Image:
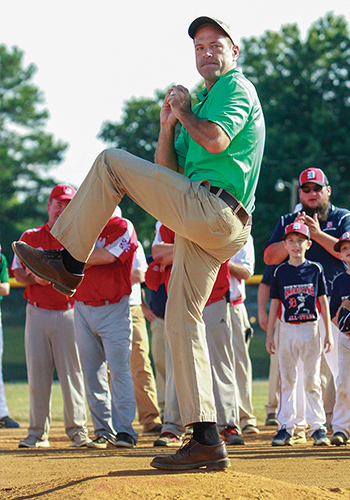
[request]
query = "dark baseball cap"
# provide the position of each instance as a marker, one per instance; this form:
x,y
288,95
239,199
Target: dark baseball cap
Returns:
x,y
62,192
344,237
200,21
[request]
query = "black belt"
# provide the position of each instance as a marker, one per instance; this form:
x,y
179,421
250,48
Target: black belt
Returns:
x,y
231,201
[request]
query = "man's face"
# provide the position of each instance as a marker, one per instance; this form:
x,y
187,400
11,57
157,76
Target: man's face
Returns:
x,y
314,197
215,53
55,208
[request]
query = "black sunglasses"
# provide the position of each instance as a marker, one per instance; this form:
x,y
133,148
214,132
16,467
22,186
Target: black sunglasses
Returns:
x,y
307,189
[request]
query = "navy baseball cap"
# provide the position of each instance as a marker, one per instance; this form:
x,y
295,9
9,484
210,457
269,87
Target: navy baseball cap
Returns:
x,y
62,192
344,237
314,175
200,21
297,227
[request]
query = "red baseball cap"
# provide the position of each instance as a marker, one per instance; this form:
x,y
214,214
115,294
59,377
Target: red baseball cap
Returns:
x,y
154,277
297,227
62,192
344,237
314,175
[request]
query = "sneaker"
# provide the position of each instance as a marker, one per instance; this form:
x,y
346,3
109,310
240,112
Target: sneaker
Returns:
x,y
100,443
230,436
282,438
155,431
80,439
167,439
124,440
250,429
8,423
271,420
298,438
320,438
33,442
193,455
339,439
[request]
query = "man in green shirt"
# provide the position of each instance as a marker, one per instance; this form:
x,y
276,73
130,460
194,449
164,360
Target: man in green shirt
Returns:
x,y
5,420
219,152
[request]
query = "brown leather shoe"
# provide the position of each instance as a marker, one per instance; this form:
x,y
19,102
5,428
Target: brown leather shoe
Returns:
x,y
47,264
193,455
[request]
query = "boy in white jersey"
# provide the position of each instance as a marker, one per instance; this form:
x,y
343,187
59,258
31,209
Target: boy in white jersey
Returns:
x,y
296,286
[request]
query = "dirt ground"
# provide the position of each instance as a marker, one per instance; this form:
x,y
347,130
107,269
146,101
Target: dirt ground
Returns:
x,y
258,471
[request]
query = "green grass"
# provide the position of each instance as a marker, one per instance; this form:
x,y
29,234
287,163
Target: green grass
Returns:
x,y
17,396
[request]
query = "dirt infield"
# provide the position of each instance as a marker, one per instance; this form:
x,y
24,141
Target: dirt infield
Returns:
x,y
257,471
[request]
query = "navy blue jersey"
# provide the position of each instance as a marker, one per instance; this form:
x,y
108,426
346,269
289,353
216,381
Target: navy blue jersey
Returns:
x,y
268,271
338,222
340,291
298,287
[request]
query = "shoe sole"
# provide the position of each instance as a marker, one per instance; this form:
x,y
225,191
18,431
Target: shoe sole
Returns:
x,y
213,465
279,443
167,445
97,446
338,442
235,443
34,446
75,445
124,444
324,443
65,290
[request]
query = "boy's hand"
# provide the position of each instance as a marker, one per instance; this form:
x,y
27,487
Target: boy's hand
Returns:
x,y
270,345
328,343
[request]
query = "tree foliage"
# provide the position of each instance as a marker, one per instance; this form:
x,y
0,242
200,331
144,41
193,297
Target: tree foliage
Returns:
x,y
27,152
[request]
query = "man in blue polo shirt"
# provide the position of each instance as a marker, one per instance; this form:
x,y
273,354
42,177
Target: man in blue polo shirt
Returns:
x,y
326,224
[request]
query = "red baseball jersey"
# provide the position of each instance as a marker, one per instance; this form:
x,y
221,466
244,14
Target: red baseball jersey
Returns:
x,y
45,297
110,282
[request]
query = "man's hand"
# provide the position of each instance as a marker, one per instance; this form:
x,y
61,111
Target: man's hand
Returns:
x,y
179,100
35,279
312,223
167,116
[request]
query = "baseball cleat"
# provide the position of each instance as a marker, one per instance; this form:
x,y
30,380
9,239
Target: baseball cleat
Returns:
x,y
33,442
339,439
48,265
282,438
320,438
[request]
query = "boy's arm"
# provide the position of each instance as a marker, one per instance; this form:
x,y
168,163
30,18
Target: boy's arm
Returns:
x,y
263,298
270,345
328,340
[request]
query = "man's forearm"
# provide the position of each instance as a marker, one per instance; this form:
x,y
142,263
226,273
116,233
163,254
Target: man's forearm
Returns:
x,y
165,153
275,253
238,271
207,134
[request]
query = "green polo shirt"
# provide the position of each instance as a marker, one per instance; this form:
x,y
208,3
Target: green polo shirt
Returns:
x,y
233,104
4,272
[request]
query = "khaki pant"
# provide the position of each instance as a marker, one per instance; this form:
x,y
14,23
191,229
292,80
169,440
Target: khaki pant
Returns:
x,y
243,364
158,354
207,234
142,373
